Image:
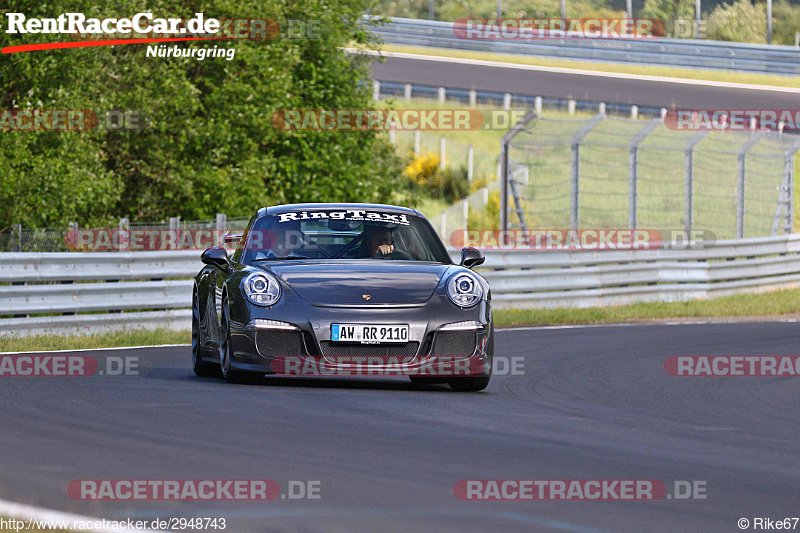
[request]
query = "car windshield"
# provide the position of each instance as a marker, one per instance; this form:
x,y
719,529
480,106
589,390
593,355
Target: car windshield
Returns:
x,y
342,233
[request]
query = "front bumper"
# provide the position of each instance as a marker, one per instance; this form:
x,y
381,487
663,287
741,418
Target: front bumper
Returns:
x,y
296,340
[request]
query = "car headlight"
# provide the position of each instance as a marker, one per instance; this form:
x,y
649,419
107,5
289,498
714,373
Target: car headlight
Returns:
x,y
261,288
464,289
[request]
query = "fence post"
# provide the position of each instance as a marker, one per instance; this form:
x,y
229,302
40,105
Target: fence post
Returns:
x,y
124,226
17,232
633,169
174,227
788,169
504,165
742,165
469,164
221,227
442,153
688,189
416,143
574,166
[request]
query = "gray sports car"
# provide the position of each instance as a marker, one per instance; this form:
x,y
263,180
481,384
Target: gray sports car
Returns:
x,y
342,290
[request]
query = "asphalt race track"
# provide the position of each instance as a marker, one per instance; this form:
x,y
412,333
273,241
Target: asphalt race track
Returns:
x,y
577,86
593,403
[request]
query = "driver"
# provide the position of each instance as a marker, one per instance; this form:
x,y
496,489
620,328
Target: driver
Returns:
x,y
375,240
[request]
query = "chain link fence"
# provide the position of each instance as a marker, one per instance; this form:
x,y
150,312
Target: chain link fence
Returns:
x,y
608,172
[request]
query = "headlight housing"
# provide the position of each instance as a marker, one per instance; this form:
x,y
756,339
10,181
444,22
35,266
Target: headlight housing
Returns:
x,y
261,288
464,289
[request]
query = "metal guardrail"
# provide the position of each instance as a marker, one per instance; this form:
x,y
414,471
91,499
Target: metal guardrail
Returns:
x,y
745,57
134,290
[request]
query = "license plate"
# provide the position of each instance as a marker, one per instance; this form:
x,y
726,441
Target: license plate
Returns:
x,y
369,333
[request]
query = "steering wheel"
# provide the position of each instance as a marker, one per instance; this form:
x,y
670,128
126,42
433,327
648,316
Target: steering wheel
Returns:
x,y
395,254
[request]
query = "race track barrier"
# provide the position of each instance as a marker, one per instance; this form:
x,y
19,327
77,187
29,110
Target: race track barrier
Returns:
x,y
93,292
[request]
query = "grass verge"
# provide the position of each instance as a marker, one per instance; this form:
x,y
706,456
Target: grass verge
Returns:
x,y
669,72
771,305
774,304
138,337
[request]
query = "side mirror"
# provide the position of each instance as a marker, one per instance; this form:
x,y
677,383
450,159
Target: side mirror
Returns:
x,y
471,257
218,257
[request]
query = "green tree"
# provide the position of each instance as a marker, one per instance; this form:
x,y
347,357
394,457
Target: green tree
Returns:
x,y
210,145
741,22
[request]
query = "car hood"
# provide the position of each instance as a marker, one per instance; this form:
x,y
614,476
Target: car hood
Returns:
x,y
342,283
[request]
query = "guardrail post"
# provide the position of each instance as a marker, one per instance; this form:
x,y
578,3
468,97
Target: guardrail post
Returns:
x,y
601,109
444,225
571,106
688,219
442,95
537,104
407,92
392,138
574,168
416,143
504,165
742,166
465,212
469,164
442,152
376,90
633,169
634,111
507,102
473,98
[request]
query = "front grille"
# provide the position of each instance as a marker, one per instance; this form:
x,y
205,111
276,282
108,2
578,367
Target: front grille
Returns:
x,y
274,343
457,343
365,350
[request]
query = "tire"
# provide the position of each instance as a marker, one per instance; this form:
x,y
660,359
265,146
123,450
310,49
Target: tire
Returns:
x,y
230,374
476,383
204,369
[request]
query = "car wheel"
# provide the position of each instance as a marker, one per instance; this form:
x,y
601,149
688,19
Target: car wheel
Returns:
x,y
204,369
476,383
230,374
